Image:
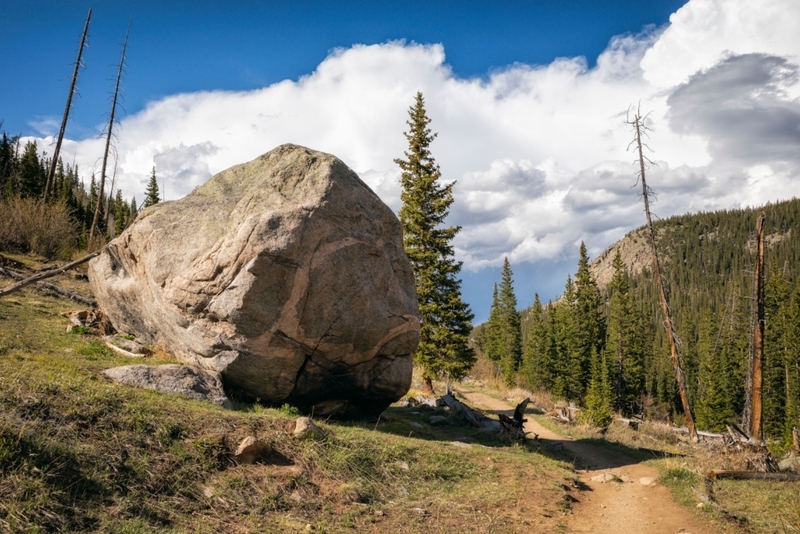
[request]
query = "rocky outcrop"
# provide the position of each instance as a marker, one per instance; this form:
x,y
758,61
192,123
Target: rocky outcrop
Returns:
x,y
286,275
171,378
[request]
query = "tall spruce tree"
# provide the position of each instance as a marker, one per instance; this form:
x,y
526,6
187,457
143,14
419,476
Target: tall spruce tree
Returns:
x,y
536,362
504,331
446,320
151,193
624,348
588,321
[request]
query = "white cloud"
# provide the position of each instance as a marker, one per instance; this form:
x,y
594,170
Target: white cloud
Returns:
x,y
539,152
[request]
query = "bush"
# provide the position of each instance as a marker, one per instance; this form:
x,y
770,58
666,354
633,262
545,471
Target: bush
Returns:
x,y
30,225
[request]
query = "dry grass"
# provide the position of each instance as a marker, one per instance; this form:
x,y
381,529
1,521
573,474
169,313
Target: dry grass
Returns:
x,y
28,224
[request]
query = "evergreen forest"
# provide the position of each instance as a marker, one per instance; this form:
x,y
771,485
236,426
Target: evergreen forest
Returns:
x,y
606,349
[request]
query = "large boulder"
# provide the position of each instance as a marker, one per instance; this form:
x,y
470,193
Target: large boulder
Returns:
x,y
286,275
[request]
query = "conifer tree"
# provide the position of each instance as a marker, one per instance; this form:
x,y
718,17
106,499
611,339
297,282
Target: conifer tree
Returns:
x,y
588,321
777,298
598,394
31,172
151,193
120,213
504,331
566,384
536,362
624,344
443,350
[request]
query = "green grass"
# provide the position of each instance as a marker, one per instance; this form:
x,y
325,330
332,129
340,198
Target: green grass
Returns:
x,y
80,453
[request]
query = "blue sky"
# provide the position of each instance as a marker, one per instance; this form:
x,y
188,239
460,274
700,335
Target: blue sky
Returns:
x,y
529,100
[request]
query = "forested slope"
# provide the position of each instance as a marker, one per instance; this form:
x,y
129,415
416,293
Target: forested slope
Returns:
x,y
604,345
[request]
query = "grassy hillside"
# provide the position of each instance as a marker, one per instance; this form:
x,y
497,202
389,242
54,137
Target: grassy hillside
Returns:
x,y
80,453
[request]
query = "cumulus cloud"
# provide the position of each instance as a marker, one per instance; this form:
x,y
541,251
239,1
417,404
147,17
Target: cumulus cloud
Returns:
x,y
539,153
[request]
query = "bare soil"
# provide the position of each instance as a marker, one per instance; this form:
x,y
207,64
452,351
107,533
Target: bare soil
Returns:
x,y
621,505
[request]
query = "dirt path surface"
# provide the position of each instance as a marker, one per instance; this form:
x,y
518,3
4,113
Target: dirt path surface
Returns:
x,y
630,502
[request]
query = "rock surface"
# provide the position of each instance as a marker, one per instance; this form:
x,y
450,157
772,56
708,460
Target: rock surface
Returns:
x,y
286,275
304,428
251,449
173,378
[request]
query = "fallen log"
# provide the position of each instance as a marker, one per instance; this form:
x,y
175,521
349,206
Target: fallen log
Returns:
x,y
511,427
754,475
476,419
52,288
47,274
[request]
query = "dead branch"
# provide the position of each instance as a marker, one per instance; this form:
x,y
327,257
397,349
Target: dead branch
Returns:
x,y
754,475
47,274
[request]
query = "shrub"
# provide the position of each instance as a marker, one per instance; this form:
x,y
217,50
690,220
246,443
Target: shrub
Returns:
x,y
30,225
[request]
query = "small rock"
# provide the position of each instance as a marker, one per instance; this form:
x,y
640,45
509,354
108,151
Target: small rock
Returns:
x,y
379,513
436,419
416,425
625,478
647,481
403,492
295,496
207,492
402,465
700,505
461,444
555,446
420,511
604,477
251,449
304,428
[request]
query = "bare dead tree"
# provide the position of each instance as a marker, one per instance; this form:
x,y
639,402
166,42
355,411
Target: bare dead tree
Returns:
x,y
49,184
111,192
640,130
100,195
753,406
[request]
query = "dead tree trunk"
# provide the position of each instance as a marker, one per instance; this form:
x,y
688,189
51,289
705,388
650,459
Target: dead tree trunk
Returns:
x,y
108,137
753,410
639,129
49,184
48,274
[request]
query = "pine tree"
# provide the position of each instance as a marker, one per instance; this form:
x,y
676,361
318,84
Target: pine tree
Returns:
x,y
624,344
151,193
566,384
504,332
598,394
120,213
31,173
588,320
536,363
445,319
777,297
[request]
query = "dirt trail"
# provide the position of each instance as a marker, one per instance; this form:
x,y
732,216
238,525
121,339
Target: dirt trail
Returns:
x,y
620,506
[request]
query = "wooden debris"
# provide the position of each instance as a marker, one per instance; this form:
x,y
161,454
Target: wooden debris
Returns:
x,y
511,427
47,274
754,475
